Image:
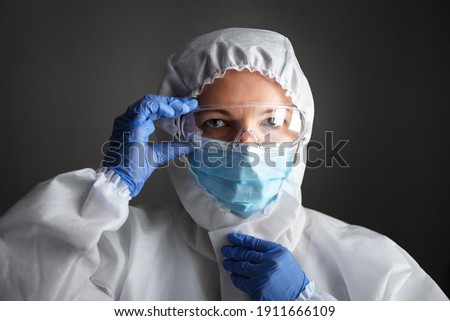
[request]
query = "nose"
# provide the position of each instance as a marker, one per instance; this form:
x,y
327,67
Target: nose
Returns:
x,y
246,135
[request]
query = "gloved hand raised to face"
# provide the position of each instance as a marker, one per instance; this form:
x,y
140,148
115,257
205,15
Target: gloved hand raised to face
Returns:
x,y
130,155
265,270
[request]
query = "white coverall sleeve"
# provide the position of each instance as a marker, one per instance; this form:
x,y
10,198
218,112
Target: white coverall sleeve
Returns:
x,y
48,239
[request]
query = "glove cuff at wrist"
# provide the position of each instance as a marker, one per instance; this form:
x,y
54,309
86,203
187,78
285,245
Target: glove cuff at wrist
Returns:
x,y
307,292
310,293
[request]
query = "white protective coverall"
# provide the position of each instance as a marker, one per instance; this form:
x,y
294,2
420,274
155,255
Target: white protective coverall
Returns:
x,y
76,237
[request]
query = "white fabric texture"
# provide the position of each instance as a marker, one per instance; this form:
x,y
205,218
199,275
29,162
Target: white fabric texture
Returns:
x,y
75,237
50,250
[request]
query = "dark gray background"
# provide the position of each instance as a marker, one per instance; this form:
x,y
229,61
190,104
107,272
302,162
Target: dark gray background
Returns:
x,y
378,71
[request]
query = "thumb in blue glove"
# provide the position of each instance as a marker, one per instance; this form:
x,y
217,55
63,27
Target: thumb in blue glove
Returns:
x,y
265,270
129,153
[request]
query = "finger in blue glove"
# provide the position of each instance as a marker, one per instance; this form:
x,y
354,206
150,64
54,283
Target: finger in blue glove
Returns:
x,y
264,270
129,154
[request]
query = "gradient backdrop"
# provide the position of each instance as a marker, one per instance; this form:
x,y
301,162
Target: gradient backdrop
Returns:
x,y
379,71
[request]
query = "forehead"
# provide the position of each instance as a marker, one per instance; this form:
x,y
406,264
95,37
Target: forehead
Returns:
x,y
240,87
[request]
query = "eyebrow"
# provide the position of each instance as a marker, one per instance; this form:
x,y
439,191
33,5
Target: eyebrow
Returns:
x,y
227,113
219,111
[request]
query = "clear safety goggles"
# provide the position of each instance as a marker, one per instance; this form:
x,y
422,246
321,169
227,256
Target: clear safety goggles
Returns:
x,y
247,123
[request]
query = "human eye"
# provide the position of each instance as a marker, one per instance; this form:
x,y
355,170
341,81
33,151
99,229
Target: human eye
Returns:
x,y
273,121
214,123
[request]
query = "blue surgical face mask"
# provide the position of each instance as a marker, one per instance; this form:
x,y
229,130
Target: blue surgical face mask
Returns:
x,y
246,178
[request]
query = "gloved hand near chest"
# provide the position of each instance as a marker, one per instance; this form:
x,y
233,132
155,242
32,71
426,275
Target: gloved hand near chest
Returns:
x,y
129,153
264,270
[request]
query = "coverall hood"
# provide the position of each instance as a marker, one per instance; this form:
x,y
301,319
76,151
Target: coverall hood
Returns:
x,y
199,63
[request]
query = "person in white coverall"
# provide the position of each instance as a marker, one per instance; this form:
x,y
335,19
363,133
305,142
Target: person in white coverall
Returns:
x,y
233,114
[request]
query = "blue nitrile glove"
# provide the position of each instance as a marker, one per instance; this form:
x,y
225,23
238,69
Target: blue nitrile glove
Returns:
x,y
130,154
265,270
